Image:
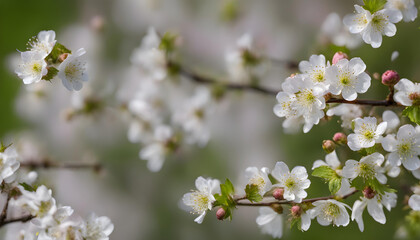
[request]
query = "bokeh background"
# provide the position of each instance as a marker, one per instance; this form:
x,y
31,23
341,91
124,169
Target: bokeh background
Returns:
x,y
245,132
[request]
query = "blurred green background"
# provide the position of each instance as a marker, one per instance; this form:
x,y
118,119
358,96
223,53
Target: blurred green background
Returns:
x,y
160,193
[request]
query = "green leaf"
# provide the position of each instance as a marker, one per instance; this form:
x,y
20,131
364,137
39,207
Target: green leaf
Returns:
x,y
358,183
374,5
324,172
28,187
413,113
379,187
334,184
296,221
167,43
225,199
252,193
56,52
52,72
4,147
368,151
273,180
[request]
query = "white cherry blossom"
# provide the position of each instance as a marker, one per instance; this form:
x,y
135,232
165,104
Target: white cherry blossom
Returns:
x,y
407,8
202,199
97,228
9,164
32,67
374,206
73,72
149,58
237,68
366,133
404,148
347,112
270,222
338,34
373,26
392,120
43,43
368,167
294,182
315,69
407,93
259,178
156,151
348,78
414,202
329,212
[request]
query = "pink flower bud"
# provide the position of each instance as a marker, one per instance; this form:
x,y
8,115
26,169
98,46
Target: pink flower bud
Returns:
x,y
368,193
390,78
296,211
340,138
220,214
278,193
328,146
277,208
338,56
63,57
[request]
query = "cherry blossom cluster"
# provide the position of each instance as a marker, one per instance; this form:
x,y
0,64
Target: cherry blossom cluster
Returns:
x,y
159,121
27,201
302,100
373,20
46,58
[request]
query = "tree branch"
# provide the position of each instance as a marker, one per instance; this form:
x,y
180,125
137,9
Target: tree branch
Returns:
x,y
20,219
267,204
47,164
195,77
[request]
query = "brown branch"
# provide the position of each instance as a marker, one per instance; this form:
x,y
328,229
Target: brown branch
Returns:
x,y
267,204
47,164
3,214
20,219
254,88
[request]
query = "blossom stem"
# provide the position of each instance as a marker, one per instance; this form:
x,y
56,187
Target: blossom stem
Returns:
x,y
20,219
195,77
267,204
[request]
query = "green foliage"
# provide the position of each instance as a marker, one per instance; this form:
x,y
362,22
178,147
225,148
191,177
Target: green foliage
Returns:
x,y
329,175
249,58
225,199
52,72
374,5
28,187
3,147
167,43
230,11
324,172
296,221
334,184
252,193
368,151
360,184
413,113
56,52
273,180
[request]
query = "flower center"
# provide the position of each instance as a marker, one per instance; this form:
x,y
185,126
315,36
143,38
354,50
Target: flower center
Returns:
x,y
44,208
344,80
259,181
331,211
318,76
290,183
369,134
378,21
200,202
306,97
36,67
415,97
367,171
404,149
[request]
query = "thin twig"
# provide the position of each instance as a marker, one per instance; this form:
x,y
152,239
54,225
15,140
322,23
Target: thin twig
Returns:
x,y
3,214
259,204
45,163
20,219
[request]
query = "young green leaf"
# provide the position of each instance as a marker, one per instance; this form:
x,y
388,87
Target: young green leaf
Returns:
x,y
413,113
324,172
252,193
56,52
374,5
334,184
52,72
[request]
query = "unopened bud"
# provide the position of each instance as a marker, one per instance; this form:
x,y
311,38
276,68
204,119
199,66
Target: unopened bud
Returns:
x,y
220,214
338,56
390,78
415,98
340,138
368,193
63,57
278,193
296,211
277,208
328,146
97,23
376,76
